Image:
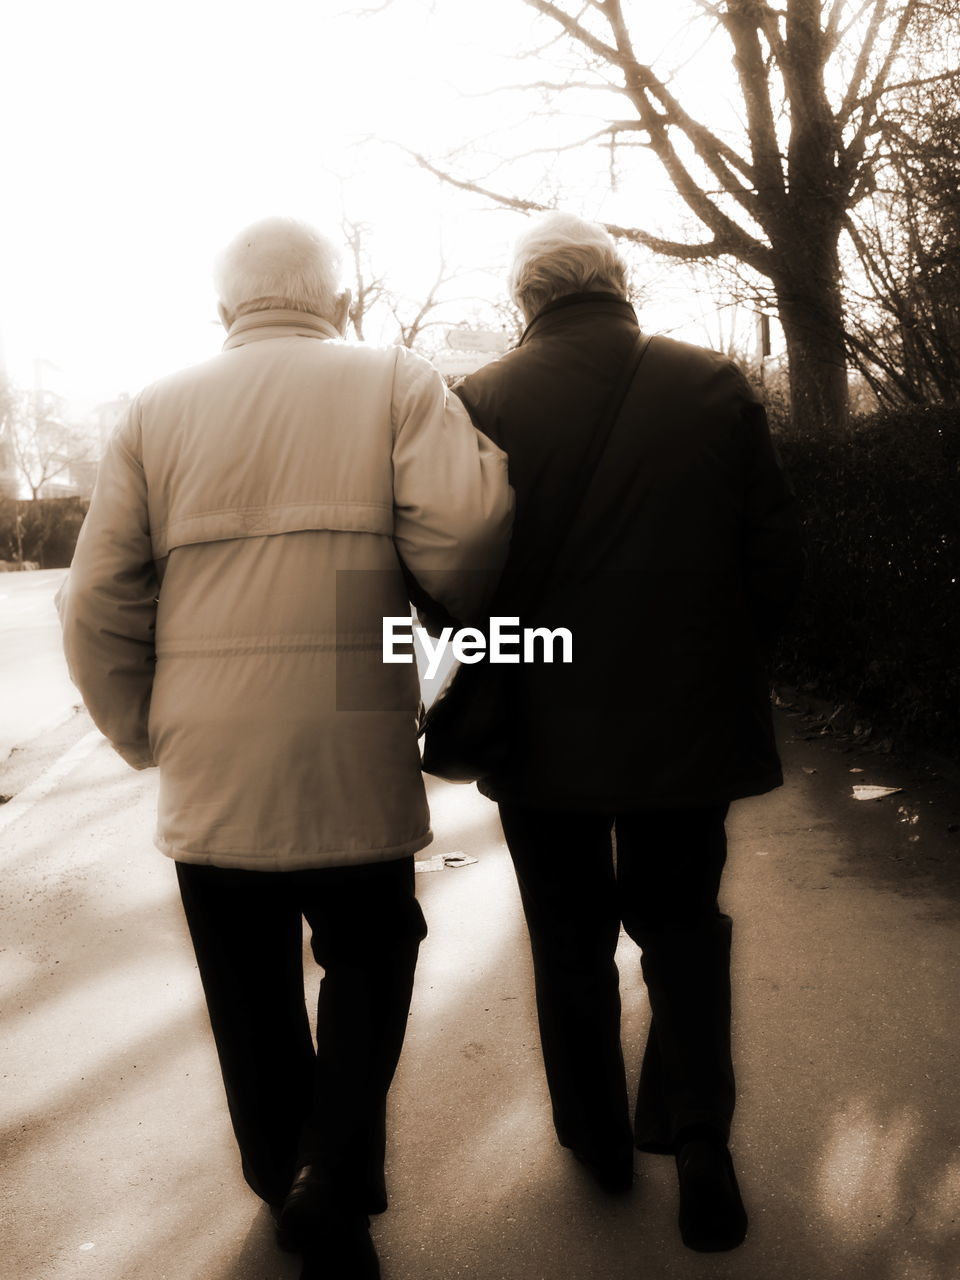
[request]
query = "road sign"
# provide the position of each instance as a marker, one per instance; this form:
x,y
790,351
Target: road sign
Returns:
x,y
456,364
464,339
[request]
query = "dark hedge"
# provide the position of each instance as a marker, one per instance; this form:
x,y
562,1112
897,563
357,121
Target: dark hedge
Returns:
x,y
49,529
878,623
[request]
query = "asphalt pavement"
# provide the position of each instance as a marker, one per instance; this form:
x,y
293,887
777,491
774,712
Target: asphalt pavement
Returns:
x,y
119,1163
35,690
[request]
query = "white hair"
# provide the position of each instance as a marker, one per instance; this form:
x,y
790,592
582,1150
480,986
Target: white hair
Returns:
x,y
563,254
279,263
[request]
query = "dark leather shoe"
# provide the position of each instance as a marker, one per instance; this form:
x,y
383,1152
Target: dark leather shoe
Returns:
x,y
284,1239
712,1216
306,1211
334,1240
343,1252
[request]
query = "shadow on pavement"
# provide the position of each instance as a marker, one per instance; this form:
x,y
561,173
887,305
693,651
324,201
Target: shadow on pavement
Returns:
x,y
121,1164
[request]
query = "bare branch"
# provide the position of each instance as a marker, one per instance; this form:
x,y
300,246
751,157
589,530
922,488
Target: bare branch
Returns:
x,y
721,159
834,34
609,132
367,290
859,72
770,22
644,88
511,202
547,86
852,156
409,332
831,28
867,351
715,248
876,271
754,76
574,28
915,84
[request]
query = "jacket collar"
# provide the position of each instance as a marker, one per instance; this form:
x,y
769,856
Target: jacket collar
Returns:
x,y
277,324
573,306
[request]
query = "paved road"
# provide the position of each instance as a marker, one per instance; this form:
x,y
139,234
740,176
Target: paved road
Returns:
x,y
120,1164
35,691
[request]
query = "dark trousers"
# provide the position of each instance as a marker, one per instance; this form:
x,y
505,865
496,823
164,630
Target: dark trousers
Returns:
x,y
662,883
292,1103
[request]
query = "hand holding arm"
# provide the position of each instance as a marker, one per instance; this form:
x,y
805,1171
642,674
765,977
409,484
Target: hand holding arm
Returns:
x,y
453,505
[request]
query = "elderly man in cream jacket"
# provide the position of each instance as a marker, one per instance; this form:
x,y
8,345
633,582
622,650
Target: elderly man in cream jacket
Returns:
x,y
254,520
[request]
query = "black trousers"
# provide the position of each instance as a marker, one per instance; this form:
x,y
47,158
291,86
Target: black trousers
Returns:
x,y
292,1103
662,884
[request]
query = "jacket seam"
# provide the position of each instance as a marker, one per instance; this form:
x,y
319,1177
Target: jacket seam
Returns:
x,y
270,506
217,649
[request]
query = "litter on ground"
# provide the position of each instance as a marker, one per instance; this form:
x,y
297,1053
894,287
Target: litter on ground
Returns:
x,y
874,793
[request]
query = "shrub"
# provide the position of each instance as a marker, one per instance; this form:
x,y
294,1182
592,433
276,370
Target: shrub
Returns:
x,y
48,529
878,622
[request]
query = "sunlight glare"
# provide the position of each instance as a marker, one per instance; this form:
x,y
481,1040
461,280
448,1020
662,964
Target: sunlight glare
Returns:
x,y
860,1177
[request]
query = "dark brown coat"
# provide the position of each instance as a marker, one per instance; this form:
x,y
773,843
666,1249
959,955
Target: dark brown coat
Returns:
x,y
681,565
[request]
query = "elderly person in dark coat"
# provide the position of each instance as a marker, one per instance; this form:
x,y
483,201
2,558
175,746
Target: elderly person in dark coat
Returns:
x,y
676,569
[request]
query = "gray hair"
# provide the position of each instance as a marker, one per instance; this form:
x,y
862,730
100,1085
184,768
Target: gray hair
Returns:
x,y
562,254
279,262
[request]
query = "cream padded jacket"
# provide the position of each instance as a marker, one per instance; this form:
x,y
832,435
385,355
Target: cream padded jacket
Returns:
x,y
222,616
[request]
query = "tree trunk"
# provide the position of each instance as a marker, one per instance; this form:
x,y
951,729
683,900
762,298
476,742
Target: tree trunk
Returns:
x,y
811,313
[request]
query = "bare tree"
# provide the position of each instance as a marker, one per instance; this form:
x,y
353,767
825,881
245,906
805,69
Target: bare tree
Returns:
x,y
413,319
904,326
378,303
41,444
368,287
812,76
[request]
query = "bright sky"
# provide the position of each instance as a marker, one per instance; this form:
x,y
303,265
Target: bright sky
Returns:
x,y
137,139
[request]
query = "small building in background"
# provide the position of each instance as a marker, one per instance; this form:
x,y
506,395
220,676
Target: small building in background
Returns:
x,y
83,476
75,481
107,416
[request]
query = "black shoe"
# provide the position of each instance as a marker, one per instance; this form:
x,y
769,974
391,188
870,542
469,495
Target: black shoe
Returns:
x,y
285,1240
343,1251
712,1216
306,1211
334,1240
613,1174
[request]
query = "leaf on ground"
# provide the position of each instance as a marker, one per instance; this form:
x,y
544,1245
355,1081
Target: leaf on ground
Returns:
x,y
874,793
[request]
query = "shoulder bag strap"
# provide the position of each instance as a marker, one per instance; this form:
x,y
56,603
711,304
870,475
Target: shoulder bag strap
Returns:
x,y
591,459
603,431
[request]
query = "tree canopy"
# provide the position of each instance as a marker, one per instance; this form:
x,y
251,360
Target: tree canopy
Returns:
x,y
813,80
